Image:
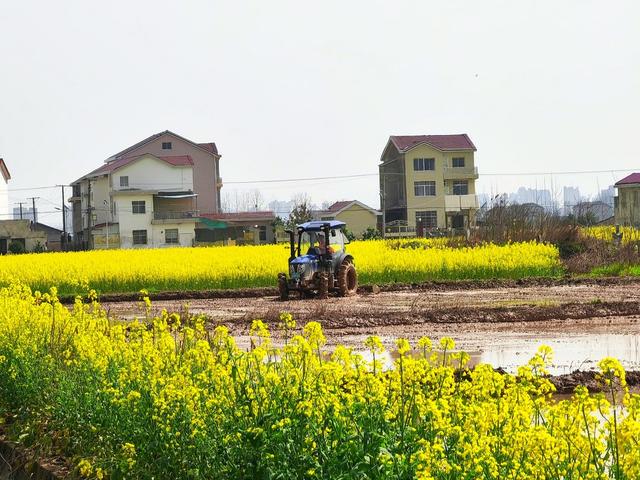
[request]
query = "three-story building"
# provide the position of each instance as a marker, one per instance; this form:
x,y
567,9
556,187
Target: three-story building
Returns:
x,y
428,182
148,195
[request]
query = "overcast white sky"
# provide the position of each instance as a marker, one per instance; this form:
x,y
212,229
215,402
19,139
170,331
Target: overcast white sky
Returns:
x,y
294,89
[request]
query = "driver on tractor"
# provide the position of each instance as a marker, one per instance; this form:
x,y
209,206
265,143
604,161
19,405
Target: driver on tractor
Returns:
x,y
322,244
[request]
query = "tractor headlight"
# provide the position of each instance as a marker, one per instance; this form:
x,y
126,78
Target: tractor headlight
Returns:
x,y
297,270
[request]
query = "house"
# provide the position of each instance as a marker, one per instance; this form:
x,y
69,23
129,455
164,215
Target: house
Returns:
x,y
627,202
358,216
148,195
428,182
242,228
21,232
4,190
54,236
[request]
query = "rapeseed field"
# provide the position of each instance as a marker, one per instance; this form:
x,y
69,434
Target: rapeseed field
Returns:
x,y
165,398
380,262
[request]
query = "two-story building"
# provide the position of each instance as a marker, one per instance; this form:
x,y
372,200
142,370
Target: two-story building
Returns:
x,y
358,216
428,182
627,202
148,195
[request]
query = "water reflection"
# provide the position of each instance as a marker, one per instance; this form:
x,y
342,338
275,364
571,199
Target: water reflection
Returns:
x,y
579,352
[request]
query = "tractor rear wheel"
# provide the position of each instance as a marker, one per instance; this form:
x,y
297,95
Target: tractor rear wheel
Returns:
x,y
283,288
347,279
323,285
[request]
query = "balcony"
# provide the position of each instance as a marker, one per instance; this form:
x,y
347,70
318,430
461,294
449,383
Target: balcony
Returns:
x,y
457,203
460,173
160,217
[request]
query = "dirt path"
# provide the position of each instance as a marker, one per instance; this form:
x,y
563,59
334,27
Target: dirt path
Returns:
x,y
504,325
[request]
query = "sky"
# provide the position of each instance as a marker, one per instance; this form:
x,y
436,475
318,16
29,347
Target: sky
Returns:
x,y
299,90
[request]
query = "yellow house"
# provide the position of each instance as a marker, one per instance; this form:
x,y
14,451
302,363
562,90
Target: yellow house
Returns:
x,y
627,203
358,216
427,182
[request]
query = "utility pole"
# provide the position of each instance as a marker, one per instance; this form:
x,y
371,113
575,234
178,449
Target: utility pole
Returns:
x,y
20,203
89,215
33,203
64,222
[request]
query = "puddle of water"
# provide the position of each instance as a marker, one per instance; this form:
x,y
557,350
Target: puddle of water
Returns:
x,y
576,352
571,352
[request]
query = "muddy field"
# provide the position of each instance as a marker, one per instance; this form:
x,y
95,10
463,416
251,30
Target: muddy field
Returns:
x,y
499,323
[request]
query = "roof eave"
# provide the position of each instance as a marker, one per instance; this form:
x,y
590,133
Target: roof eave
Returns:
x,y
155,136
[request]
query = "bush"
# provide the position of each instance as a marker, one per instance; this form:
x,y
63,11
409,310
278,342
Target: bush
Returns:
x,y
371,234
16,247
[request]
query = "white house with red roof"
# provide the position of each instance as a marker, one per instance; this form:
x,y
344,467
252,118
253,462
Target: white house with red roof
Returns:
x,y
427,182
148,195
4,191
358,216
627,202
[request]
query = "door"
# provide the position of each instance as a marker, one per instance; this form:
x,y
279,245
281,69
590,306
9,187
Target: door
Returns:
x,y
3,246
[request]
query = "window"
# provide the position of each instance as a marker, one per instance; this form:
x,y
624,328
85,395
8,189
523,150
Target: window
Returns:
x,y
166,145
139,237
138,206
457,162
460,187
171,235
424,164
427,219
424,189
124,181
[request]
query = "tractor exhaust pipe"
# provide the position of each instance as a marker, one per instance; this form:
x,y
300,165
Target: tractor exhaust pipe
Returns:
x,y
292,246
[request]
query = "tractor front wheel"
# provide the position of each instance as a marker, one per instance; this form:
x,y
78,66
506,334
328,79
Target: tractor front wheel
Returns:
x,y
283,288
323,286
347,279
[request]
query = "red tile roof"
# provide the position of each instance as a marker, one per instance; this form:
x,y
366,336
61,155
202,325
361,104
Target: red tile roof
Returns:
x,y
441,142
176,161
240,216
629,179
4,170
210,147
339,206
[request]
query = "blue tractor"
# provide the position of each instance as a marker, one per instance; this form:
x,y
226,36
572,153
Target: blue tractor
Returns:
x,y
319,262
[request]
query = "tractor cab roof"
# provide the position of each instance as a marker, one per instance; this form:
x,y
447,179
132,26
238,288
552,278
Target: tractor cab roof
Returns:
x,y
318,225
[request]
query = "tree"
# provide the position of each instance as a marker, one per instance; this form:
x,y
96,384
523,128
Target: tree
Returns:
x,y
242,201
301,212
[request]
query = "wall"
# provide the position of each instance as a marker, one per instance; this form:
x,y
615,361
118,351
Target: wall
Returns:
x,y
149,173
437,202
4,200
358,219
128,221
627,211
21,229
205,173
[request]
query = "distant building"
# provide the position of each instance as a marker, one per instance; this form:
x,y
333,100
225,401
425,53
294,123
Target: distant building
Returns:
x,y
358,216
428,182
242,228
148,195
570,196
24,213
21,232
4,190
627,202
54,236
595,211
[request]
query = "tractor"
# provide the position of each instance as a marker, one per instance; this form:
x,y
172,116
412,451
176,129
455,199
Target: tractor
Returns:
x,y
318,263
